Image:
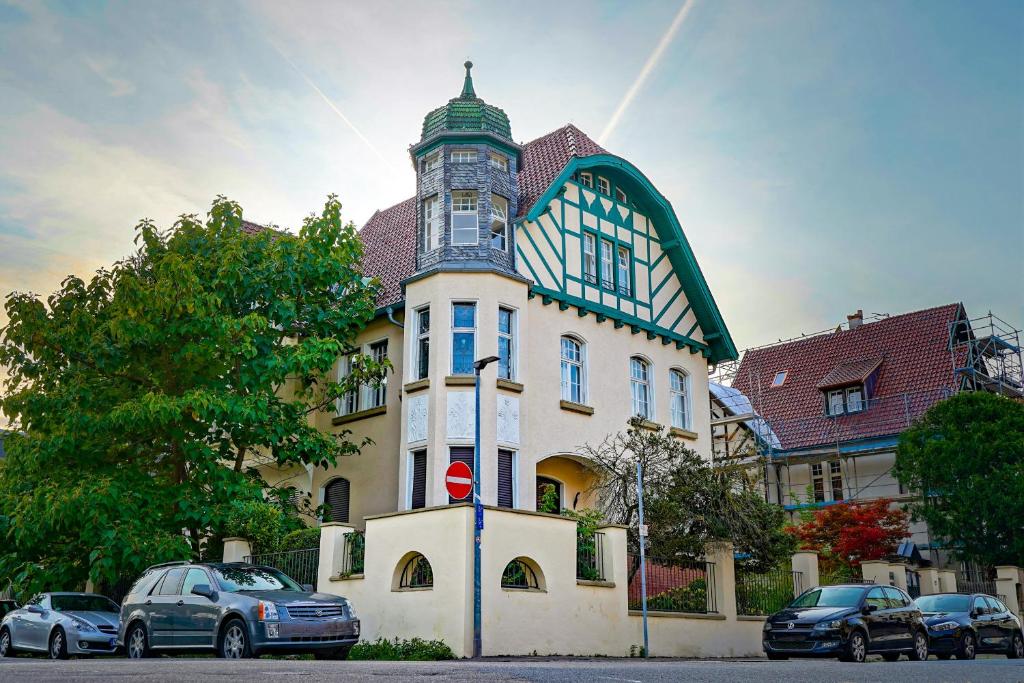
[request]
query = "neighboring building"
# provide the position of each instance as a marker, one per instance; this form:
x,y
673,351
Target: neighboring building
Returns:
x,y
832,405
558,257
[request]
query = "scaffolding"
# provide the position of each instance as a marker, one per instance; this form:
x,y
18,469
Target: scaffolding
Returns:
x,y
986,355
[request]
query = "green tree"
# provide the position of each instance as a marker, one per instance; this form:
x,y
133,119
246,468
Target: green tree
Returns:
x,y
138,397
688,502
965,460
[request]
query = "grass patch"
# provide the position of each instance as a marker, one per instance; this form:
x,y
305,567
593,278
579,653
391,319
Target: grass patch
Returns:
x,y
414,650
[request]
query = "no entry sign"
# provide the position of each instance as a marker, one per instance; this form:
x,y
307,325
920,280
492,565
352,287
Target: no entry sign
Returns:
x,y
458,480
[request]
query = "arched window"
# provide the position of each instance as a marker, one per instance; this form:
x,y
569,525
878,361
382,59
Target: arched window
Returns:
x,y
640,385
574,379
679,393
519,575
416,573
336,498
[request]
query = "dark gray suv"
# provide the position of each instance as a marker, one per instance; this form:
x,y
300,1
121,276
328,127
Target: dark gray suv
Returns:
x,y
237,610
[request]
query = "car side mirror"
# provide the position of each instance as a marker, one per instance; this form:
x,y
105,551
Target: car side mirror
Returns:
x,y
308,587
868,609
204,590
35,609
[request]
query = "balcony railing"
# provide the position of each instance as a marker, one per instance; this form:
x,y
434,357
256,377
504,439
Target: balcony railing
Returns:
x,y
590,556
674,586
768,592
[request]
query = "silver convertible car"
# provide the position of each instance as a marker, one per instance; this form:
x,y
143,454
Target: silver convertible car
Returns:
x,y
61,624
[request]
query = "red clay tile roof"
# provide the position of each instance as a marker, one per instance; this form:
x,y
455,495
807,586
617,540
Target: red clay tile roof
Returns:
x,y
545,157
389,249
916,371
850,372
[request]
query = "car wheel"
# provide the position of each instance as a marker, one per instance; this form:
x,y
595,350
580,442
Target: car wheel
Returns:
x,y
920,651
136,645
234,641
337,653
890,656
856,648
968,647
776,657
58,644
6,649
1016,650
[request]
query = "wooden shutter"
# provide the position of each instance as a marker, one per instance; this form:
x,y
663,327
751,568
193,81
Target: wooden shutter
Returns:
x,y
461,454
505,478
336,497
419,479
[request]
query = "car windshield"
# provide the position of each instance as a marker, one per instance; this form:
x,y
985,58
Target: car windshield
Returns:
x,y
830,596
242,579
82,603
944,603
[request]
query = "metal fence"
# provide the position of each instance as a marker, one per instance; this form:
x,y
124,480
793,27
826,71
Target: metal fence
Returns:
x,y
768,592
674,586
840,575
301,565
353,554
975,580
590,556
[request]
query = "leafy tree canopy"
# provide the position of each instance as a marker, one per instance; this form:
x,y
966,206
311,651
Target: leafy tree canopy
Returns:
x,y
139,396
846,534
688,502
965,459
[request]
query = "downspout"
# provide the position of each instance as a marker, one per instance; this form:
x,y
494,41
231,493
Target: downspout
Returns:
x,y
391,317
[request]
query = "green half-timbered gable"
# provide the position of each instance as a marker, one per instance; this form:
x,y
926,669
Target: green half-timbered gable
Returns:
x,y
572,234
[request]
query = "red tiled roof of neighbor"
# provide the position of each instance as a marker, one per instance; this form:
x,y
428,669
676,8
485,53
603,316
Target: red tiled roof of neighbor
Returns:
x,y
916,371
389,249
250,228
545,157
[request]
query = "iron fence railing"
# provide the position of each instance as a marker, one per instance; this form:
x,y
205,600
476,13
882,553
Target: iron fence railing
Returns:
x,y
975,580
353,554
838,576
590,556
768,592
301,565
674,586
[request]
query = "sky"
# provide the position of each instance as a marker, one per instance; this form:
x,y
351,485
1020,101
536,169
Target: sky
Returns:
x,y
822,157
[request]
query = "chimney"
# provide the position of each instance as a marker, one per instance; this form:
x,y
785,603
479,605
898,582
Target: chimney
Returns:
x,y
855,320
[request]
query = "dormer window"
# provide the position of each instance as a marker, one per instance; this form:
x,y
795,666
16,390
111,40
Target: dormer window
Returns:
x,y
620,196
430,162
463,156
835,402
587,179
498,161
603,186
855,399
465,222
845,400
780,378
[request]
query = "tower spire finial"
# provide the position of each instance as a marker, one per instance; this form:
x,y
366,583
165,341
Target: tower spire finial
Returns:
x,y
467,86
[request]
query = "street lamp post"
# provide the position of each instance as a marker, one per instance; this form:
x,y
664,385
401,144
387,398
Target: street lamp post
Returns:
x,y
478,512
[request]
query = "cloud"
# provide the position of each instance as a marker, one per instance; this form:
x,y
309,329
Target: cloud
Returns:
x,y
102,67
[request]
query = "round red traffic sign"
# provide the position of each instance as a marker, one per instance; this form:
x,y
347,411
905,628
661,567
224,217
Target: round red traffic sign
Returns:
x,y
458,480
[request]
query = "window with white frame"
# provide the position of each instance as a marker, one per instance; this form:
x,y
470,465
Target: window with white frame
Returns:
x,y
422,361
835,402
348,403
499,222
640,385
463,156
587,179
430,162
624,272
836,473
465,222
377,395
603,186
590,258
431,223
573,371
463,338
498,161
855,399
607,265
506,343
620,196
818,482
679,393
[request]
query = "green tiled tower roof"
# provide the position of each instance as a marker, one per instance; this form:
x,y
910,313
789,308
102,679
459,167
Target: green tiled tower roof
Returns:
x,y
467,113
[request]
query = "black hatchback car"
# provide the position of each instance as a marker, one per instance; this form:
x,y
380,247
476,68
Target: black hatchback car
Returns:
x,y
848,621
236,610
965,625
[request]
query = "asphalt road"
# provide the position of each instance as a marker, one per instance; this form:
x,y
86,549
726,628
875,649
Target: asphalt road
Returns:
x,y
568,670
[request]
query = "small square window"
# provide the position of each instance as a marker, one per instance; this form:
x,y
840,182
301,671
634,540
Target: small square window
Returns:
x,y
603,186
431,161
463,156
620,196
498,161
780,378
587,180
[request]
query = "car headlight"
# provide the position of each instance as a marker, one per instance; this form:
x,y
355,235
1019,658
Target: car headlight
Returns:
x,y
767,626
267,611
350,609
945,626
82,624
828,625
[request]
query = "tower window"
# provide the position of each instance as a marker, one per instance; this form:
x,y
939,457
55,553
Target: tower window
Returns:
x,y
587,179
431,224
603,186
506,343
463,156
465,222
422,342
498,161
463,338
430,162
499,222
